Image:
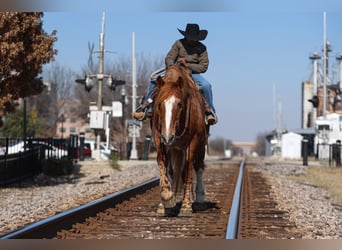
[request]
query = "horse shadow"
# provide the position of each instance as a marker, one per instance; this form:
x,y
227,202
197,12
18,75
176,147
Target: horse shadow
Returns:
x,y
196,208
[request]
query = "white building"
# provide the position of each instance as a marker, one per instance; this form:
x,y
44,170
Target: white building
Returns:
x,y
291,146
328,132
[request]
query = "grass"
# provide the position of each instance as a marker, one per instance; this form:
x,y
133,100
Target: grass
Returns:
x,y
114,158
328,178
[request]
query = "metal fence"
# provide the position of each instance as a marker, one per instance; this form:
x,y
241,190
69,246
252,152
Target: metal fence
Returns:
x,y
22,159
330,152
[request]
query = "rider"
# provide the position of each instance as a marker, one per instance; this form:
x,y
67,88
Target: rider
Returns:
x,y
192,54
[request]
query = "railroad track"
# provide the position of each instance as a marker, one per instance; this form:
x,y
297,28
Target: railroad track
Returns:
x,y
259,216
131,214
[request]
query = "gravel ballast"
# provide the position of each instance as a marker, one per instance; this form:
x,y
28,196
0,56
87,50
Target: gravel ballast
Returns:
x,y
311,208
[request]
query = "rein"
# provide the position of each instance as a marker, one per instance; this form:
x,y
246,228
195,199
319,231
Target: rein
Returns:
x,y
187,119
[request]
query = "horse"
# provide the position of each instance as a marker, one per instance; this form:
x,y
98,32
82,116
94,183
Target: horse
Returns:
x,y
180,135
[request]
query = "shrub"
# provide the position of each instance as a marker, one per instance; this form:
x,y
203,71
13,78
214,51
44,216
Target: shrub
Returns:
x,y
114,158
57,167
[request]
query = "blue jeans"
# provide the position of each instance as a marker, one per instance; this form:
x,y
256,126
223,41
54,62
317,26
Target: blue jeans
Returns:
x,y
203,84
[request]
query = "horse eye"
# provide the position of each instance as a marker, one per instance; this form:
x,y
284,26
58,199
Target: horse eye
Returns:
x,y
179,105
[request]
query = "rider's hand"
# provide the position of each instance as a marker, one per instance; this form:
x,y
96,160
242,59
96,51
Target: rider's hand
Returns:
x,y
182,61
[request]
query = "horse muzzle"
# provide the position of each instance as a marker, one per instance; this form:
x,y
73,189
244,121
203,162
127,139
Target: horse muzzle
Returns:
x,y
168,139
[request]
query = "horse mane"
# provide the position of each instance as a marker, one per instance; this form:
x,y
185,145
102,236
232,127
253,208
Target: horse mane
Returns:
x,y
176,80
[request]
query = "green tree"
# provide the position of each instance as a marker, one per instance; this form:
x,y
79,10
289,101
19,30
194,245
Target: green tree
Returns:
x,y
13,126
24,48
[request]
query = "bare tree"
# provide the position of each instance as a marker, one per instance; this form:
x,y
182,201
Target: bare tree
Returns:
x,y
145,66
61,89
120,70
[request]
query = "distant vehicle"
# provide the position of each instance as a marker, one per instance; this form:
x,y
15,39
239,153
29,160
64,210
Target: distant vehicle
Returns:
x,y
49,150
105,152
15,148
53,152
86,151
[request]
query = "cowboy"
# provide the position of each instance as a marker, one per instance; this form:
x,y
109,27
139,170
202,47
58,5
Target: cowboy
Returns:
x,y
191,53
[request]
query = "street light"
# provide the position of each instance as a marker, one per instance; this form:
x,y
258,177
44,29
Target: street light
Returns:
x,y
123,101
62,121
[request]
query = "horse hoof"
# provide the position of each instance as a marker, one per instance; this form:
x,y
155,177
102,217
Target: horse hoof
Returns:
x,y
161,210
185,212
169,203
199,206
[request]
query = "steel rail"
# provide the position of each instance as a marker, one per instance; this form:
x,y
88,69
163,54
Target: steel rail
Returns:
x,y
47,228
232,226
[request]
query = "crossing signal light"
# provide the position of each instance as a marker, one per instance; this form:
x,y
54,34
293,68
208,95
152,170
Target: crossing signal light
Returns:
x,y
113,83
88,83
314,101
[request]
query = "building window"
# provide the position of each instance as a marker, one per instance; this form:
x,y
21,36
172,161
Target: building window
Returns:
x,y
72,130
88,130
72,119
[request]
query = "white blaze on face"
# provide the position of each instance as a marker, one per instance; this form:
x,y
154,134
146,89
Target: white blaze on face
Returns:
x,y
168,113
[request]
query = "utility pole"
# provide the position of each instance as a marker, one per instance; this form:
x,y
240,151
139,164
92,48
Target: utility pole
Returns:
x,y
324,67
99,77
99,115
134,153
100,74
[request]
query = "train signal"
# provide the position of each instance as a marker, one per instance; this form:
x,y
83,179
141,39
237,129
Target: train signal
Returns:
x,y
314,101
113,83
88,83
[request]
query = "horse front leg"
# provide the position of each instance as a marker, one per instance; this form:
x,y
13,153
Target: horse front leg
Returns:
x,y
167,196
186,209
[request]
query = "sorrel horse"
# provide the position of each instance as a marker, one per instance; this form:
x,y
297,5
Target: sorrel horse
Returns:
x,y
180,135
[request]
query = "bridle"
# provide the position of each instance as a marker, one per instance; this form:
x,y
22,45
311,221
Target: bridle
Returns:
x,y
187,121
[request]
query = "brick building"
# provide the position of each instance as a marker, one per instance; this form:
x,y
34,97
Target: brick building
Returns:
x,y
70,124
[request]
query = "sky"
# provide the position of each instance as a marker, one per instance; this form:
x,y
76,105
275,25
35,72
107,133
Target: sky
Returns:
x,y
258,50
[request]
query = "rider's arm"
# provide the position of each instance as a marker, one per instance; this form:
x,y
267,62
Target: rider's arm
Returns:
x,y
200,64
172,55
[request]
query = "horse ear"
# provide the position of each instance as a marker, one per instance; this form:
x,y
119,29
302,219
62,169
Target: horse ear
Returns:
x,y
160,82
180,81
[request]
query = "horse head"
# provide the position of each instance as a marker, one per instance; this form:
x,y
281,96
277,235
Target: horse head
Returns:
x,y
170,105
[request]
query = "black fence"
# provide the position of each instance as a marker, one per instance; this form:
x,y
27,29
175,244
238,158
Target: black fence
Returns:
x,y
21,159
331,152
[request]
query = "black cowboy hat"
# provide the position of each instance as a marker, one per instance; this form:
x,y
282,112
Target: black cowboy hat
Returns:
x,y
193,32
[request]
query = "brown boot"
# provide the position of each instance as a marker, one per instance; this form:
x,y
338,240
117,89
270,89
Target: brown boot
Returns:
x,y
140,113
140,116
211,118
